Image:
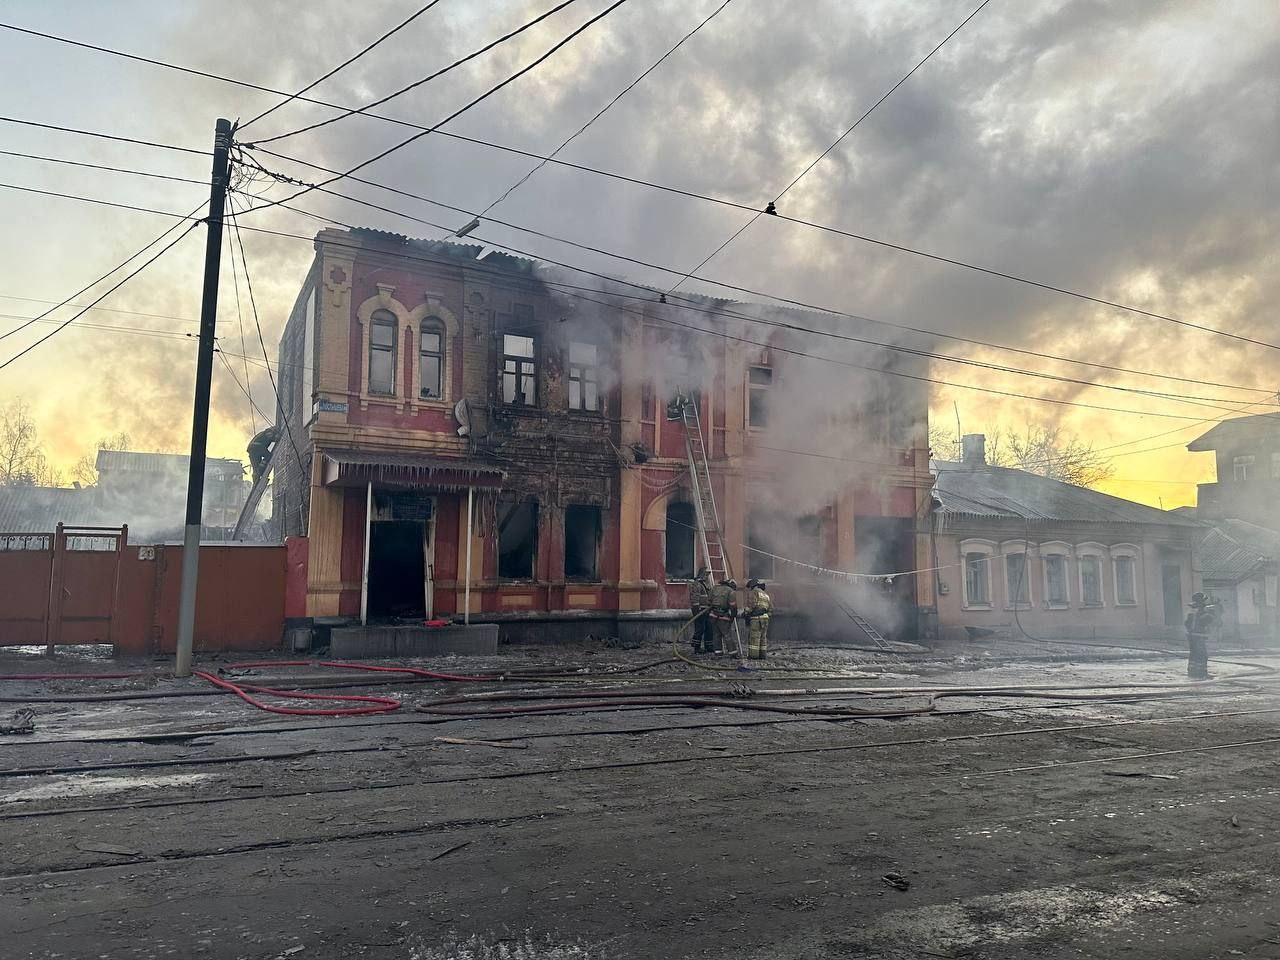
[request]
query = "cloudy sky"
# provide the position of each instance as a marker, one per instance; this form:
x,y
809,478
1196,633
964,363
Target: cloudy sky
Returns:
x,y
1130,151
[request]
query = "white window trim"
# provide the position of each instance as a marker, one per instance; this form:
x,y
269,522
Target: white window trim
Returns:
x,y
1056,548
988,549
1248,461
432,308
1099,551
1133,552
364,314
746,405
1011,548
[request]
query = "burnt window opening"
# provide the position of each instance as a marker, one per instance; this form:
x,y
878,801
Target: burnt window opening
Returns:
x,y
517,538
681,525
759,385
382,353
680,389
519,371
581,542
811,547
759,564
584,377
431,359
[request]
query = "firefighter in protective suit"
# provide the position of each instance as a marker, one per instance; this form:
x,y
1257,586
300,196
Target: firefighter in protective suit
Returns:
x,y
1202,623
700,606
724,610
756,612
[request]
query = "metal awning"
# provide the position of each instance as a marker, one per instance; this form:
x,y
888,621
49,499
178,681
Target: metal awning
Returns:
x,y
358,467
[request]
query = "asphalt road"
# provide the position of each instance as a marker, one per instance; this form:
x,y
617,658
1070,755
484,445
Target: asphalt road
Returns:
x,y
196,826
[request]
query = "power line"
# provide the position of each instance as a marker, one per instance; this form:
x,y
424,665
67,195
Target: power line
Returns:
x,y
798,328
248,283
638,181
648,291
101,136
94,283
111,290
99,166
253,426
605,109
85,325
461,110
427,79
770,209
136,313
667,320
343,65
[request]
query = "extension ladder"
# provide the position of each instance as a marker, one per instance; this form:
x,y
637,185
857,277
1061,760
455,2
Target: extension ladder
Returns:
x,y
250,507
710,538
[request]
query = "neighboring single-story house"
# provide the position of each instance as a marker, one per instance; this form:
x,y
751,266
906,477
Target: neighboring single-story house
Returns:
x,y
1239,565
1025,556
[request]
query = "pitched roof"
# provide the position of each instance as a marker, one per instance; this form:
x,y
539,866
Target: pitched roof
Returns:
x,y
134,461
1259,426
1006,493
1235,549
41,509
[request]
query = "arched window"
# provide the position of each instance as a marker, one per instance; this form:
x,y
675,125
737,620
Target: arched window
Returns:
x,y
382,352
431,359
681,524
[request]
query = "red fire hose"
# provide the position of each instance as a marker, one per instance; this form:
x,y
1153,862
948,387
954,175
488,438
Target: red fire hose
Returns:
x,y
245,691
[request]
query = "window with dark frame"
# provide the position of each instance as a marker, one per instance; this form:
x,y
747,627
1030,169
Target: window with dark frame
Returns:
x,y
584,376
581,542
382,353
759,383
1016,574
431,359
519,371
517,538
679,548
1091,581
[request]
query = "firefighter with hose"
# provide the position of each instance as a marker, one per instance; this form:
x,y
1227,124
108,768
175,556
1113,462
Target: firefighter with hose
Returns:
x,y
724,610
1202,623
758,607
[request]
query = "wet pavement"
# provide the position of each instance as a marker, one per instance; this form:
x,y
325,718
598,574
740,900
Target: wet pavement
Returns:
x,y
1125,814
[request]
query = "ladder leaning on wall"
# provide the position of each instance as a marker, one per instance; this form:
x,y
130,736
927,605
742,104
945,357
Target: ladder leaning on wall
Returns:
x,y
710,538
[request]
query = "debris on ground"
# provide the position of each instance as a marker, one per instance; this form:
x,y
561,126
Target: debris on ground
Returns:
x,y
22,721
466,742
897,881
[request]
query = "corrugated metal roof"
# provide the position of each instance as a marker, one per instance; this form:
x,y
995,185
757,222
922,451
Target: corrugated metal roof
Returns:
x,y
132,461
1234,550
414,468
41,509
1002,492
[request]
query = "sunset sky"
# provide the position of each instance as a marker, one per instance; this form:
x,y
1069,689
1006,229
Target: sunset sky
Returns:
x,y
1128,151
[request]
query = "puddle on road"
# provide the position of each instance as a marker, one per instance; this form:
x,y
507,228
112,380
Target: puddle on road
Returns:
x,y
87,785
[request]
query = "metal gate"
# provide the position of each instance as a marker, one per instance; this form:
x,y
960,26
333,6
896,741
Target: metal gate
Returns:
x,y
62,587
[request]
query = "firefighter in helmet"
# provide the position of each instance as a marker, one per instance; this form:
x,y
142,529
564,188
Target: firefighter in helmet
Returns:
x,y
1202,622
756,612
724,610
700,606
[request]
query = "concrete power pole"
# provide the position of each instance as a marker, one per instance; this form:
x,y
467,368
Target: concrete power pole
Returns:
x,y
204,383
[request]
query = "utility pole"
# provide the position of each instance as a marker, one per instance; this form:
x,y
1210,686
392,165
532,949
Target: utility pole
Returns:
x,y
204,383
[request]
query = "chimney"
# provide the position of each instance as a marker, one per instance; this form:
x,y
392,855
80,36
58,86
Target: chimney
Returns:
x,y
973,449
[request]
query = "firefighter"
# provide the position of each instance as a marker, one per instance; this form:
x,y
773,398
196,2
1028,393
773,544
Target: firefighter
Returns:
x,y
758,607
1201,623
700,606
260,450
724,610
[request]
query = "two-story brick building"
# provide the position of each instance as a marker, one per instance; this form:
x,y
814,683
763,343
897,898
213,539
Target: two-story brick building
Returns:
x,y
417,379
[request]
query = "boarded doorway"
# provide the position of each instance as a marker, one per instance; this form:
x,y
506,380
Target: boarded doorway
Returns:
x,y
1171,580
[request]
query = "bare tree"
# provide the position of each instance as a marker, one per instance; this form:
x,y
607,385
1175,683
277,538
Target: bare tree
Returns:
x,y
22,461
86,469
1042,449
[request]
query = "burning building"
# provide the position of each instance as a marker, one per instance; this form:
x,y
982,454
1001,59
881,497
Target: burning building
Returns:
x,y
481,436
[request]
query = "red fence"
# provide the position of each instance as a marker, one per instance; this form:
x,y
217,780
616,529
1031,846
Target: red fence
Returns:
x,y
90,592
